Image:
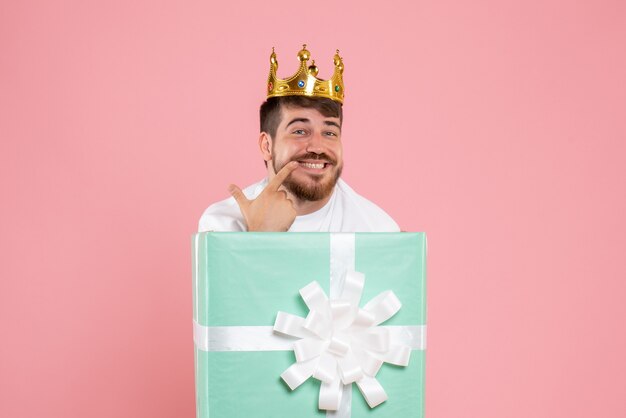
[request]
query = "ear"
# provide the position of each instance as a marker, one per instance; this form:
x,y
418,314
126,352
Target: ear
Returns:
x,y
265,145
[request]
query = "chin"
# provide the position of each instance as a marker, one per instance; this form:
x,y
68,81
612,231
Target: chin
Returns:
x,y
311,190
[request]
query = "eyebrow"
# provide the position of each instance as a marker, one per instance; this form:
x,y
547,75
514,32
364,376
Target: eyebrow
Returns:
x,y
305,120
297,120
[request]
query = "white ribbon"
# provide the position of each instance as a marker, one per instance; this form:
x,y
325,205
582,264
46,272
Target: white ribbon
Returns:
x,y
342,253
263,338
338,342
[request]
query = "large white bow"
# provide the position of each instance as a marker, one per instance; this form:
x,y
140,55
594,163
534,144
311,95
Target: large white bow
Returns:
x,y
340,343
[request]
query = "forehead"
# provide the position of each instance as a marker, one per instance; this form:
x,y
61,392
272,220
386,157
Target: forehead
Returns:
x,y
289,113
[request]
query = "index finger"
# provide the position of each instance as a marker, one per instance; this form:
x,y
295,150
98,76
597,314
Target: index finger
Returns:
x,y
282,174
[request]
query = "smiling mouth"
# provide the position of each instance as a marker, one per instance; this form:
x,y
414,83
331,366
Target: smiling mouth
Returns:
x,y
316,166
315,163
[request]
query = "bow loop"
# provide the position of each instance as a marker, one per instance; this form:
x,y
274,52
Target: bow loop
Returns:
x,y
289,324
308,348
314,297
318,324
383,306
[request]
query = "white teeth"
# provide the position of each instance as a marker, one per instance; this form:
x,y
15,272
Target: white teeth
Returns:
x,y
311,165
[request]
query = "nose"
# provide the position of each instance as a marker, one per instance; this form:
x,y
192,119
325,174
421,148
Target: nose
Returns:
x,y
316,143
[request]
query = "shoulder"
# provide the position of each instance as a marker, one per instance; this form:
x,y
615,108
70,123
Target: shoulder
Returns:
x,y
225,215
375,218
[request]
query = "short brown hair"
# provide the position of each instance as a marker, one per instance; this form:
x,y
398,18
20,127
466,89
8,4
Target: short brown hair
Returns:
x,y
270,111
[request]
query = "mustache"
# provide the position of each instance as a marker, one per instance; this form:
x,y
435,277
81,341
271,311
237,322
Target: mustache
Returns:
x,y
313,156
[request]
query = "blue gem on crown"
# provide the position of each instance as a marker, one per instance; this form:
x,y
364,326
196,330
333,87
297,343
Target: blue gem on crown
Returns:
x,y
301,83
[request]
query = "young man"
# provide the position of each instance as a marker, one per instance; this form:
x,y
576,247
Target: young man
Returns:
x,y
300,142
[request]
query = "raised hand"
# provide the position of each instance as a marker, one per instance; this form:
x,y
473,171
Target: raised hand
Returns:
x,y
271,210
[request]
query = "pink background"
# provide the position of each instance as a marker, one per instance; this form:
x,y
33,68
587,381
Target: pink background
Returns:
x,y
496,127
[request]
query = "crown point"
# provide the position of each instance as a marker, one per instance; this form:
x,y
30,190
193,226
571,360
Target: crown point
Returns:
x,y
313,70
304,55
338,63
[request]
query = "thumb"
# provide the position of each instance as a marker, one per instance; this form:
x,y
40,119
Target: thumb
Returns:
x,y
236,192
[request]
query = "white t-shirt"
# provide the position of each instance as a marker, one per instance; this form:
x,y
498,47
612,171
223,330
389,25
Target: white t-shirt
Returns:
x,y
345,211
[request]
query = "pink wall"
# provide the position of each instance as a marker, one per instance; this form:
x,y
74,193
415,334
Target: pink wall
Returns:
x,y
497,127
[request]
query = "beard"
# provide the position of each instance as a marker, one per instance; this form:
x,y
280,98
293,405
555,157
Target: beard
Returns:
x,y
315,187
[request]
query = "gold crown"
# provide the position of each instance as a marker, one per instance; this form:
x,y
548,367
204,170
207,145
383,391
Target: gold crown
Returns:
x,y
304,82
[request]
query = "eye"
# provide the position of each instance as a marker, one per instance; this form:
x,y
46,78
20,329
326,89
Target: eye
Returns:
x,y
329,133
299,132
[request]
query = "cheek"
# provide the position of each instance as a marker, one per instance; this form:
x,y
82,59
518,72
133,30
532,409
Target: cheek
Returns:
x,y
337,150
289,151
